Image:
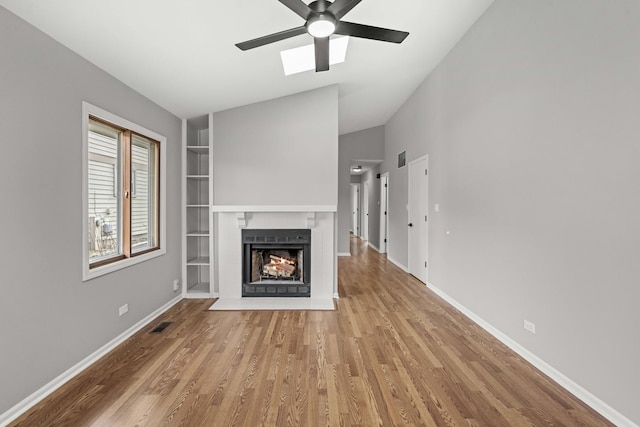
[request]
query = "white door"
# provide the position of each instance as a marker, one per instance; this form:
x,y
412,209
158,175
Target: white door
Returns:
x,y
355,207
384,209
417,221
365,209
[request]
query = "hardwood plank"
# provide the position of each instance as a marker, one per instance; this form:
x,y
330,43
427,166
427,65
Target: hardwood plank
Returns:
x,y
393,353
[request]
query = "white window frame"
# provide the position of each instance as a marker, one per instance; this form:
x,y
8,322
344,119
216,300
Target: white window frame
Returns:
x,y
91,273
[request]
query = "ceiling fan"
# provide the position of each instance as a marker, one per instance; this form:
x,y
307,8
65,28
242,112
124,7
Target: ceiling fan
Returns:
x,y
322,20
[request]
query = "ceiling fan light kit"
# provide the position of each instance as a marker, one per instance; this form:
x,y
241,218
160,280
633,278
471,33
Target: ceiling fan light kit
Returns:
x,y
321,26
323,18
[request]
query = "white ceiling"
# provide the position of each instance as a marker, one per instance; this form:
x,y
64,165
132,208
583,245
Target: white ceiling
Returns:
x,y
181,54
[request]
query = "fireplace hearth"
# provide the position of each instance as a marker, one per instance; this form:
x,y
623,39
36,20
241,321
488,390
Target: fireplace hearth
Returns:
x,y
276,263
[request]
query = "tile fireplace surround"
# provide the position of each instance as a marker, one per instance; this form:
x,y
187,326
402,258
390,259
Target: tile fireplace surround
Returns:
x,y
229,222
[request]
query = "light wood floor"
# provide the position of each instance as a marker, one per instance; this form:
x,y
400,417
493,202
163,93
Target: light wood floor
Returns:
x,y
393,353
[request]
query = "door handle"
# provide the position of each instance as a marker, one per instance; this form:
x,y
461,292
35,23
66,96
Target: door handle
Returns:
x,y
410,224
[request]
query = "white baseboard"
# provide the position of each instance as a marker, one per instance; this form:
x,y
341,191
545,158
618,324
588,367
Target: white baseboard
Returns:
x,y
344,253
61,379
215,295
374,247
397,264
598,405
336,296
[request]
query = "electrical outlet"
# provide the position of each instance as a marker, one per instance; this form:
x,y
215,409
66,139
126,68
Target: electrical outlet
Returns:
x,y
530,326
176,284
122,310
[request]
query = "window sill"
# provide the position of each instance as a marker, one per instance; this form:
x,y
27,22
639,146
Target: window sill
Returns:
x,y
92,273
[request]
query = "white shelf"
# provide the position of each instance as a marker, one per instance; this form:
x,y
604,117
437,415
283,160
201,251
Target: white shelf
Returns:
x,y
199,149
200,288
203,260
197,240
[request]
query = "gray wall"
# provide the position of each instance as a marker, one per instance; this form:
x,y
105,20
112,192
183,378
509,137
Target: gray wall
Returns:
x,y
531,126
277,152
50,319
366,144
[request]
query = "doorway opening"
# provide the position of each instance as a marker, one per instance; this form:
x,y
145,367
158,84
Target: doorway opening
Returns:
x,y
355,210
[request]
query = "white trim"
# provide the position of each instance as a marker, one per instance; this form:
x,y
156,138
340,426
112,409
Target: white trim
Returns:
x,y
273,208
212,228
91,273
374,247
397,264
70,373
414,161
356,197
183,204
311,220
241,217
118,265
384,219
335,257
419,272
197,295
344,253
598,405
336,296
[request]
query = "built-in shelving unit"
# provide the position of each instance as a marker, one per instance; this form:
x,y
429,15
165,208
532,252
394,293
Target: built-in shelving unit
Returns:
x,y
197,216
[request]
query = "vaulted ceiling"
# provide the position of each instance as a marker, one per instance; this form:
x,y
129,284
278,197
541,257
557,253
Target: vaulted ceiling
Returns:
x,y
181,54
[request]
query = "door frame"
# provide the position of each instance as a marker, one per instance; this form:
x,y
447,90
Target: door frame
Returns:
x,y
384,212
365,211
356,209
423,243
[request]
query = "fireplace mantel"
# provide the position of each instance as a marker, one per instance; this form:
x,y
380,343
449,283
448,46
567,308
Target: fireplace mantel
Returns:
x,y
242,210
229,220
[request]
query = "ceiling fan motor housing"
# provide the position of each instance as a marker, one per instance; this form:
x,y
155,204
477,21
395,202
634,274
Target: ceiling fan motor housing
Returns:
x,y
320,22
319,6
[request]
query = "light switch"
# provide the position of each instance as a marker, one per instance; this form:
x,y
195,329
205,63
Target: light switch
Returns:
x,y
437,207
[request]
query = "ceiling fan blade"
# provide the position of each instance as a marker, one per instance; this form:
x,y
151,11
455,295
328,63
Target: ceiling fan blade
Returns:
x,y
298,6
322,53
369,32
339,8
261,41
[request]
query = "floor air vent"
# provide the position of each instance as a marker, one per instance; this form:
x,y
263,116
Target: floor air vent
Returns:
x,y
160,328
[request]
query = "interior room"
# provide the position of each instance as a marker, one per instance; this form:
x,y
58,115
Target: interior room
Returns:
x,y
438,227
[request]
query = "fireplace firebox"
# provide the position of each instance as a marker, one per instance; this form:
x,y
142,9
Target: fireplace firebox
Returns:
x,y
276,263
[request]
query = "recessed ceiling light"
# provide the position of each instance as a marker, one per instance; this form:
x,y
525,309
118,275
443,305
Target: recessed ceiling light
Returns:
x,y
303,58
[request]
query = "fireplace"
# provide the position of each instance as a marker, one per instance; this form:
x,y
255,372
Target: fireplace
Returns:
x,y
276,263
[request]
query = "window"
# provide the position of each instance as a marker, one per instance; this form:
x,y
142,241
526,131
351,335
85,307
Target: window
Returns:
x,y
122,193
